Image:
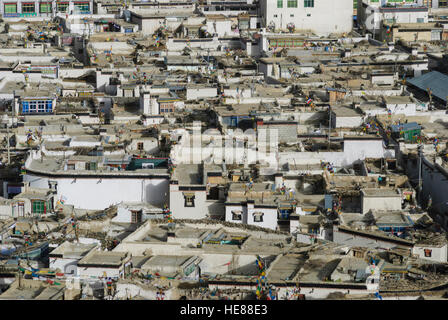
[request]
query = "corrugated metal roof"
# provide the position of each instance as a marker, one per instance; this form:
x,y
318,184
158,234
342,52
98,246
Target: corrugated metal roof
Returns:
x,y
436,81
405,127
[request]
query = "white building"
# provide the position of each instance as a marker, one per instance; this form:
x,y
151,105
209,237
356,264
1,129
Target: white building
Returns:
x,y
136,212
320,16
372,14
44,9
380,199
105,264
250,213
66,256
95,189
432,249
190,196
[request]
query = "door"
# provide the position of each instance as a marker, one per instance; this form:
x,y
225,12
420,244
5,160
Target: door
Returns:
x,y
21,209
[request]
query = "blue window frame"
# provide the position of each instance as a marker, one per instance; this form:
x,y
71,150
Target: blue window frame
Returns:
x,y
49,106
284,214
25,107
37,106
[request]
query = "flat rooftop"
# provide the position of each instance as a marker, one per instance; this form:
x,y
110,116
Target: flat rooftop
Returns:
x,y
398,99
72,250
391,218
163,260
286,268
380,193
53,165
103,259
318,267
188,174
343,111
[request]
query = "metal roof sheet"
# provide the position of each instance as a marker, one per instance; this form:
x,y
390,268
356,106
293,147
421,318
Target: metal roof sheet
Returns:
x,y
436,81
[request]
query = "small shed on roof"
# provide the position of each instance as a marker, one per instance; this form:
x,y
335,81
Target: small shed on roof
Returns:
x,y
409,131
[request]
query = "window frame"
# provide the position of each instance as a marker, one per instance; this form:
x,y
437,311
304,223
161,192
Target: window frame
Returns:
x,y
45,5
32,106
28,5
48,106
9,4
292,4
82,4
236,213
136,216
60,5
41,106
189,200
258,216
308,3
38,207
140,146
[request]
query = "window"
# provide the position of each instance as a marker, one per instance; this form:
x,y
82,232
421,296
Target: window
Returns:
x,y
20,209
53,185
28,8
136,216
284,213
258,216
40,106
82,7
62,6
50,205
37,206
293,3
49,106
45,7
33,106
140,146
237,215
309,4
91,166
279,3
25,107
189,199
10,8
428,252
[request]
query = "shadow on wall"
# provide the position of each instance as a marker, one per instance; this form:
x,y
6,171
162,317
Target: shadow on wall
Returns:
x,y
157,194
71,269
327,270
250,269
217,210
